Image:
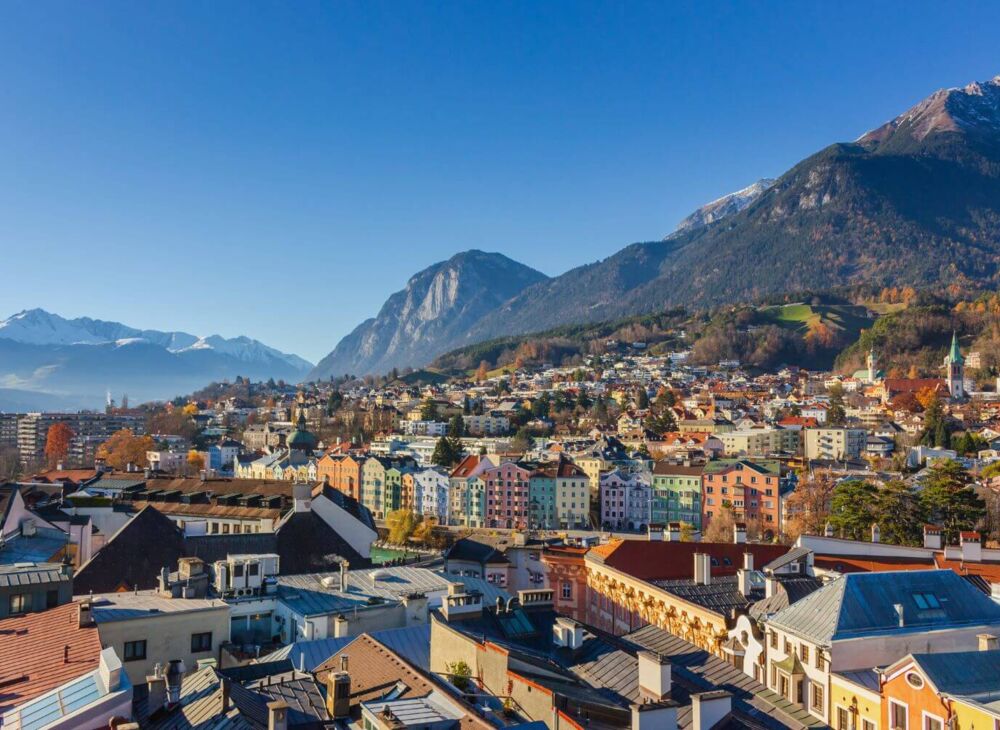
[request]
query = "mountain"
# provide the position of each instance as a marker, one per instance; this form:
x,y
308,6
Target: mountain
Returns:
x,y
726,205
46,359
430,315
914,202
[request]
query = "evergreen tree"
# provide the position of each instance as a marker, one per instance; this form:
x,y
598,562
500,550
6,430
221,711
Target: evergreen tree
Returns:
x,y
899,514
456,427
642,399
948,499
444,452
852,509
428,410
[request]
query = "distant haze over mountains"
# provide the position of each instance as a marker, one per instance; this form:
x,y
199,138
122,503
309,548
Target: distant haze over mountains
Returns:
x,y
47,361
916,201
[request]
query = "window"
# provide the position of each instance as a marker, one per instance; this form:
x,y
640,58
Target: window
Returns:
x,y
238,570
774,641
253,569
19,602
135,650
926,601
201,642
820,663
843,719
897,715
818,697
933,722
567,590
804,652
867,725
51,599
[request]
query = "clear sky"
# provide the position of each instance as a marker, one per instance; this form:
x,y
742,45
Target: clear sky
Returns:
x,y
277,169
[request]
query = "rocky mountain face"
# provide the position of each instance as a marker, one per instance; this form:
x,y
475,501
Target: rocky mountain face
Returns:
x,y
915,202
726,205
50,361
431,315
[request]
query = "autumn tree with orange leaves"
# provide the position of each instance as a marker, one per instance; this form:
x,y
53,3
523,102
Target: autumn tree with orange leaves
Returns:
x,y
57,443
124,448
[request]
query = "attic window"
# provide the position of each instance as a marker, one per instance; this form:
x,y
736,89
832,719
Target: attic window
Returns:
x,y
727,561
926,601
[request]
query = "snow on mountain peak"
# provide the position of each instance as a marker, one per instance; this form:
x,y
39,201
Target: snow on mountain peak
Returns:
x,y
39,327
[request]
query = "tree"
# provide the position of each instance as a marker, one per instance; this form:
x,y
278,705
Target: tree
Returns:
x,y
460,675
852,509
642,399
195,460
428,410
57,443
191,409
836,414
444,452
900,514
662,422
424,532
124,448
808,507
949,501
522,440
456,427
401,524
665,398
482,372
935,425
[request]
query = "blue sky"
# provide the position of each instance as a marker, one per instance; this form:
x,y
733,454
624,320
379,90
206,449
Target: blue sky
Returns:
x,y
277,169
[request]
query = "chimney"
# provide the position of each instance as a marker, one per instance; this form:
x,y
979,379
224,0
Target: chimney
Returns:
x,y
567,633
900,614
338,692
654,532
341,627
344,567
674,532
156,687
932,537
655,676
708,709
302,497
226,700
654,716
277,715
770,585
876,533
85,614
747,561
175,674
110,669
828,530
740,533
702,569
743,582
972,548
988,642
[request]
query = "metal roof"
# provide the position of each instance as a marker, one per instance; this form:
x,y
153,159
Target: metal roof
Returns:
x,y
863,604
108,607
22,574
413,643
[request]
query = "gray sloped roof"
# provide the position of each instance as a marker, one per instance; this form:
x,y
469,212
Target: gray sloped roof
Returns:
x,y
413,643
967,673
863,604
704,671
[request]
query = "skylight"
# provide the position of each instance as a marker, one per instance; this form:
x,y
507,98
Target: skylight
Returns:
x,y
926,601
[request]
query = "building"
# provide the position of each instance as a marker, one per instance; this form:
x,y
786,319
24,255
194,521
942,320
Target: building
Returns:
x,y
507,495
954,367
761,441
57,675
864,620
625,500
751,489
676,495
835,443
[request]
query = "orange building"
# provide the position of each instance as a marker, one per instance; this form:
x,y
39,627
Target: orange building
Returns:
x,y
343,473
567,575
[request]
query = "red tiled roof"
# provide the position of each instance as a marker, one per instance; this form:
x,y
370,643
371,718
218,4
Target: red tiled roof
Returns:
x,y
466,466
664,560
855,564
41,651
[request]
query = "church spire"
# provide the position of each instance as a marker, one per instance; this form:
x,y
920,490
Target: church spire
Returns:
x,y
955,355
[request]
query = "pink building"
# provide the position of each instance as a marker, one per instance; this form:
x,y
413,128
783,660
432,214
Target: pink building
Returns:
x,y
507,495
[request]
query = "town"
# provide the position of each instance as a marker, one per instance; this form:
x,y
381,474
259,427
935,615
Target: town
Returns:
x,y
629,541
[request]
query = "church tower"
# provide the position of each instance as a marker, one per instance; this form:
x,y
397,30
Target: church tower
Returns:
x,y
955,368
871,362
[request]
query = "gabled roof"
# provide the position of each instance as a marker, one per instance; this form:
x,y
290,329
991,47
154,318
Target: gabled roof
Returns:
x,y
966,673
857,605
33,652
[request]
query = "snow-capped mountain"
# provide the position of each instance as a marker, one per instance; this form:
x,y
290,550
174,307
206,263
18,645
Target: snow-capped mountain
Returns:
x,y
38,327
46,359
724,206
